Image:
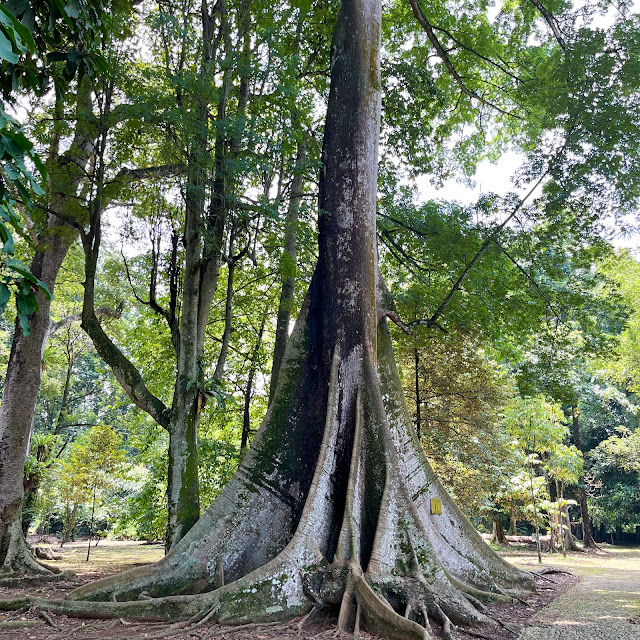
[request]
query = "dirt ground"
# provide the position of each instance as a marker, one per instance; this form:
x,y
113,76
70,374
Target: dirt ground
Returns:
x,y
113,556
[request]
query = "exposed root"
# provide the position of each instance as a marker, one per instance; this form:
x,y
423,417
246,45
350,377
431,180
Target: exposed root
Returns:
x,y
511,596
28,580
356,627
380,618
425,618
476,603
546,570
346,606
446,624
42,614
361,540
303,620
477,594
18,624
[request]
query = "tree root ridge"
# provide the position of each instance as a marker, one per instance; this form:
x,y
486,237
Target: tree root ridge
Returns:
x,y
362,543
17,558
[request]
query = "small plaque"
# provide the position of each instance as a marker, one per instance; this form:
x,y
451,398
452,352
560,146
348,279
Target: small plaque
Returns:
x,y
436,507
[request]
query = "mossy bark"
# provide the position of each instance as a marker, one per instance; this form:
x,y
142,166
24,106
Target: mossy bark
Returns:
x,y
331,506
22,380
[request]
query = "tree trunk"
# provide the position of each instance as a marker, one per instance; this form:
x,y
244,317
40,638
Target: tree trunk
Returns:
x,y
333,503
497,536
416,363
22,380
587,534
513,524
246,416
93,513
288,269
183,491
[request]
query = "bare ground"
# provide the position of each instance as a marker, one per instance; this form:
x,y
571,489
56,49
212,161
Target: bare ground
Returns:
x,y
112,557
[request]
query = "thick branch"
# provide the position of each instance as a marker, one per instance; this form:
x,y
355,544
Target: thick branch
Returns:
x,y
551,21
105,312
124,370
127,176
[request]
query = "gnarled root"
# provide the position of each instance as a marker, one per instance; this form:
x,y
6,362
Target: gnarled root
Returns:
x,y
17,557
333,515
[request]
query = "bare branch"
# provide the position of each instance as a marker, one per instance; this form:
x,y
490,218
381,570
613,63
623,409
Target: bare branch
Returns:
x,y
501,67
491,238
523,271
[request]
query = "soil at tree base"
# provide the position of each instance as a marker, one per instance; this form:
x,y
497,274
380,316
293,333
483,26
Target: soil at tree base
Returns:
x,y
105,561
603,605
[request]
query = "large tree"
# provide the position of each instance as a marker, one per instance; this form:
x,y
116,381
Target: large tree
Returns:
x,y
333,503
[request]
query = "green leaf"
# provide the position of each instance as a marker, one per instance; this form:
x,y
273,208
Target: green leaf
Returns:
x,y
24,194
5,294
26,305
23,270
23,32
6,50
24,324
6,238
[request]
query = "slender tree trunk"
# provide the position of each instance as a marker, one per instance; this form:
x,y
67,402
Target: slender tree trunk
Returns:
x,y
561,522
183,487
288,269
93,513
512,524
202,266
535,512
24,369
246,416
228,312
587,534
497,536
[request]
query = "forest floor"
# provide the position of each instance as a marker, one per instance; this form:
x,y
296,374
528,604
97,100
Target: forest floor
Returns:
x,y
600,601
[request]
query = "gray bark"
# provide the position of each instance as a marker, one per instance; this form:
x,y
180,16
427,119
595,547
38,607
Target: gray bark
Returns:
x,y
332,503
22,381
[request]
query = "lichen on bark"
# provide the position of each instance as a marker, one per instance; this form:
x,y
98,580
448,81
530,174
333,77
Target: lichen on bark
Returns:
x,y
330,506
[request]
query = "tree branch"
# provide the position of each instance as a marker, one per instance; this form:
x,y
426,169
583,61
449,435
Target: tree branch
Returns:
x,y
491,238
443,55
551,21
499,66
124,370
104,312
523,271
